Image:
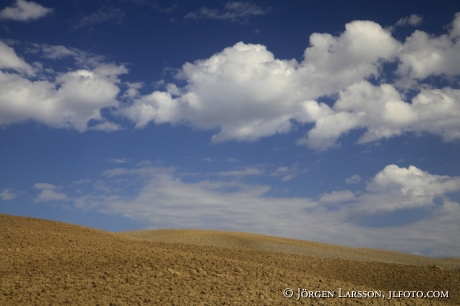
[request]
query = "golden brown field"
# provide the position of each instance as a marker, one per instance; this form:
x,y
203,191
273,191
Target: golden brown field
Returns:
x,y
53,263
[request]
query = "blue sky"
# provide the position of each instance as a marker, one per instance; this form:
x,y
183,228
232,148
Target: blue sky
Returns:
x,y
302,119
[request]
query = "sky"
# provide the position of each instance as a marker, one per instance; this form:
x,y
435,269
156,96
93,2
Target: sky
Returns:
x,y
308,119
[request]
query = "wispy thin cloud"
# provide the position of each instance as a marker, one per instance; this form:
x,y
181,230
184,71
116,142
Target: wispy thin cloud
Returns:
x,y
354,179
118,160
243,171
337,197
170,9
100,16
144,163
211,160
412,20
83,181
287,173
232,11
7,194
232,205
56,52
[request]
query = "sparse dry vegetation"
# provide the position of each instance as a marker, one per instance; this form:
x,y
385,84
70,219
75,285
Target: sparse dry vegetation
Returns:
x,y
52,263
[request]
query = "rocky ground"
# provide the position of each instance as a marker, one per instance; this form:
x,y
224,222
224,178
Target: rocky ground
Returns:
x,y
51,263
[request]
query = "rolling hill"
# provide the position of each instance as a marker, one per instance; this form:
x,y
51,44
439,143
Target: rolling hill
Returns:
x,y
53,263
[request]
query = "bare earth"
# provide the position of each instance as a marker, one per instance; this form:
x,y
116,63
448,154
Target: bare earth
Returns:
x,y
52,263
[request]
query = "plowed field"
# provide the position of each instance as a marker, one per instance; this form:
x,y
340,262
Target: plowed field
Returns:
x,y
52,263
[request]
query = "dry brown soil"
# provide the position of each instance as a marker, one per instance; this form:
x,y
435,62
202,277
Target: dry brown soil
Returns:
x,y
52,263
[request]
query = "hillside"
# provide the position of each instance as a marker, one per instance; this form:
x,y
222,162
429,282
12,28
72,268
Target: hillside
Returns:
x,y
53,263
289,246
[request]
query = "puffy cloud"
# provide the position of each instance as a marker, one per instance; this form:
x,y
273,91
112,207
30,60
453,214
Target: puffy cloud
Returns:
x,y
455,27
412,182
423,54
396,188
215,99
71,101
6,195
133,90
379,108
328,129
333,63
9,60
248,93
24,11
80,97
433,110
48,193
233,11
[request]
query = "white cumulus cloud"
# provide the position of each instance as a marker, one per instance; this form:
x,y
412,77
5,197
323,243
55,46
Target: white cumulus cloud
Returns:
x,y
248,93
383,113
423,54
22,10
245,93
10,60
396,188
70,101
412,182
48,193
